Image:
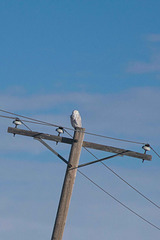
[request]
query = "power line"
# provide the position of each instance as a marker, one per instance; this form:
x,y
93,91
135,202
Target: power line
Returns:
x,y
82,132
36,120
45,123
117,175
117,139
26,126
155,152
55,125
122,204
2,116
130,185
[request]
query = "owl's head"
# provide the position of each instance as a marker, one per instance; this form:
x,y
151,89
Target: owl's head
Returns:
x,y
75,112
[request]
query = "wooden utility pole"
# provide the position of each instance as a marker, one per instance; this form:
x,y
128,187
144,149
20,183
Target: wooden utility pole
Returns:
x,y
76,144
68,184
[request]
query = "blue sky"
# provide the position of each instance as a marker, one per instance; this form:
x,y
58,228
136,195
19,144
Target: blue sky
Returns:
x,y
102,58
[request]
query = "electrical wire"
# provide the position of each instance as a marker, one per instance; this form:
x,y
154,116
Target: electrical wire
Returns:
x,y
22,121
117,139
2,116
35,121
117,175
130,185
45,124
155,152
122,204
49,124
54,125
26,126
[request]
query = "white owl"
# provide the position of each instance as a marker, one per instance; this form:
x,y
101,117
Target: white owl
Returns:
x,y
76,119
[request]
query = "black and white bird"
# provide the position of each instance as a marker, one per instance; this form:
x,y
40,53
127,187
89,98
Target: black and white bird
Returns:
x,y
76,119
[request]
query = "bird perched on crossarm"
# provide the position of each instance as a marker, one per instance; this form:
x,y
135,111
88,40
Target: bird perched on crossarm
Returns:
x,y
76,119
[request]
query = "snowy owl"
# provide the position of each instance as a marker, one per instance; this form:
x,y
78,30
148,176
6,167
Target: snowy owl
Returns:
x,y
76,119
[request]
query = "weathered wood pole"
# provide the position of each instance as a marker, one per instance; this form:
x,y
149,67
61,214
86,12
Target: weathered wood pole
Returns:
x,y
68,185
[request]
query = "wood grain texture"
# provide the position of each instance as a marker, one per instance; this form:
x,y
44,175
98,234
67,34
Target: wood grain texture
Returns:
x,y
91,145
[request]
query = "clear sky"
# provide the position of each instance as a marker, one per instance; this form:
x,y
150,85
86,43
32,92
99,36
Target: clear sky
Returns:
x,y
102,58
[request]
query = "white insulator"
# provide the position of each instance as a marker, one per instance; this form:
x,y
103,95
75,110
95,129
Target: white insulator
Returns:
x,y
146,147
60,130
17,122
